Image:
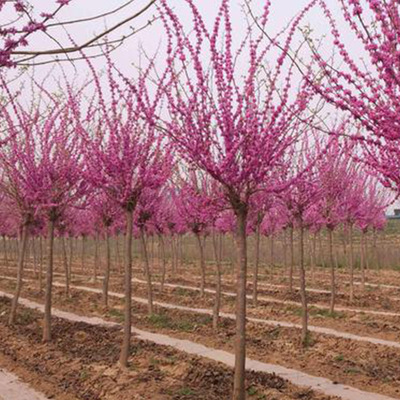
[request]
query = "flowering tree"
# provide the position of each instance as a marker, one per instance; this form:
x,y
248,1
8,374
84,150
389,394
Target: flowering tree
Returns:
x,y
198,203
47,166
367,88
123,158
226,123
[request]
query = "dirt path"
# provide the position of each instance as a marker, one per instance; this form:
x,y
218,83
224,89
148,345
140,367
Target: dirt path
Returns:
x,y
296,377
11,388
205,311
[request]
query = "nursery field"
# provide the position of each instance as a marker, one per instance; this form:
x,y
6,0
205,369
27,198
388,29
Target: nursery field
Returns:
x,y
176,351
199,200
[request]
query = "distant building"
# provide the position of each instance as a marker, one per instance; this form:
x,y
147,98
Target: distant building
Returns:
x,y
396,214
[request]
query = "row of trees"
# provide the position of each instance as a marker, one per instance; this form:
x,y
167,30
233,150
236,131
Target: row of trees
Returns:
x,y
245,125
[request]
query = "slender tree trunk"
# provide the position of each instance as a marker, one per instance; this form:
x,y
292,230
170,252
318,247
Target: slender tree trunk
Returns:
x,y
147,272
272,245
375,257
351,262
83,254
285,246
96,257
106,279
20,271
202,263
217,304
66,269
362,259
239,390
71,256
49,283
313,255
35,263
40,264
35,269
256,266
5,252
303,292
332,265
291,259
164,262
125,349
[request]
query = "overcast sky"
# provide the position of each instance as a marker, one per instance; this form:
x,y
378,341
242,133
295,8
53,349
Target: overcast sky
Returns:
x,y
282,12
153,37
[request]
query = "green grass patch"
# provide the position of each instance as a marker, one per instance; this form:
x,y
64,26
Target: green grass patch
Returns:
x,y
117,314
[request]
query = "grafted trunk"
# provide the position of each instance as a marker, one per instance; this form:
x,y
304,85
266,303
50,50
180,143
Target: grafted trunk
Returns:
x,y
147,272
332,265
65,263
351,262
202,263
291,268
256,266
20,271
217,303
125,348
49,283
163,261
239,390
106,279
303,293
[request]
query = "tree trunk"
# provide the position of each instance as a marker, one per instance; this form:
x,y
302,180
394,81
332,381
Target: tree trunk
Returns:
x,y
202,263
35,269
291,259
83,254
147,273
256,265
96,257
106,279
164,262
71,254
362,259
5,252
313,256
125,349
332,265
217,304
41,264
66,269
49,283
375,257
239,390
271,244
351,262
303,293
20,271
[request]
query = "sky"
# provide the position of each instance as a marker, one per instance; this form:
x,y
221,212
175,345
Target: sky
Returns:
x,y
153,37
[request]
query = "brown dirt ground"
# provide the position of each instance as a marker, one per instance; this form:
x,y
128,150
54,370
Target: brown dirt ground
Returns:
x,y
363,365
80,363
